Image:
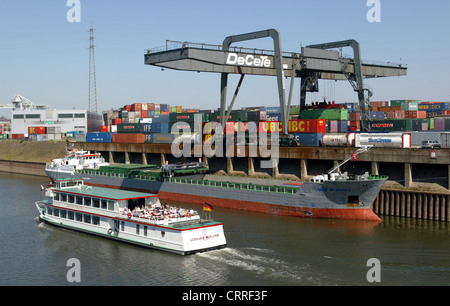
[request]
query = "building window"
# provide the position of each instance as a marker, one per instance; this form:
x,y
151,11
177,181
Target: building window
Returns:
x,y
80,116
33,116
18,116
62,116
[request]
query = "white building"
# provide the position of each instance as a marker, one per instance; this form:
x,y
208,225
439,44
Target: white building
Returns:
x,y
72,120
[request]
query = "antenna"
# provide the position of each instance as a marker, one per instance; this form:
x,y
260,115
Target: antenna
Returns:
x,y
92,79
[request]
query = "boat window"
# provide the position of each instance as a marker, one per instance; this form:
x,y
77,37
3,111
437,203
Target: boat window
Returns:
x,y
63,197
63,213
78,216
70,215
103,204
123,226
79,200
145,230
56,196
87,218
56,212
96,203
87,201
137,229
71,198
49,210
96,220
110,205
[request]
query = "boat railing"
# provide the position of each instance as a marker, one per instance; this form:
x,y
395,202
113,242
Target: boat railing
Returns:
x,y
181,180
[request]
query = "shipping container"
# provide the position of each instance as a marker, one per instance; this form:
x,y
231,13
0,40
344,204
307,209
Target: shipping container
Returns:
x,y
37,130
326,113
53,130
188,117
385,140
445,140
269,127
128,138
376,115
307,126
105,128
163,138
354,116
176,127
102,137
308,139
392,125
154,128
129,127
271,110
338,139
161,118
80,137
148,138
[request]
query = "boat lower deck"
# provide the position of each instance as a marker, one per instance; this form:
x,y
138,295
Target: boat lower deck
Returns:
x,y
183,237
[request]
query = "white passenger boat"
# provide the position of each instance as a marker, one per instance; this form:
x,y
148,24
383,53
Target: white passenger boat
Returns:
x,y
74,160
133,217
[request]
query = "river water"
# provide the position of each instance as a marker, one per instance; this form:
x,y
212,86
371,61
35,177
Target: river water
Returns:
x,y
263,250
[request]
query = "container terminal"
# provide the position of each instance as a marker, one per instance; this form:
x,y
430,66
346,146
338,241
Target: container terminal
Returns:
x,y
324,133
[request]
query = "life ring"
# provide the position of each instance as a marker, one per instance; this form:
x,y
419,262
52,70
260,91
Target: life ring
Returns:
x,y
109,230
129,215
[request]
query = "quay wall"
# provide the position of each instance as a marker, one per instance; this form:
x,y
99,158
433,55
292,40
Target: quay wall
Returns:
x,y
394,199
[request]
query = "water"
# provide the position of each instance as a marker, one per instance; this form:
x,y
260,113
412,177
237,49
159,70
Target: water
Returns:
x,y
263,250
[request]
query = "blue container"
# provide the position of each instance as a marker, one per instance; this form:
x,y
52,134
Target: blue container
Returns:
x,y
271,110
148,138
343,126
155,127
309,139
377,115
99,137
161,119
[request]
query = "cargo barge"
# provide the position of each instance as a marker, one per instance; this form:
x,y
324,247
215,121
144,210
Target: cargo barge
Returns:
x,y
333,195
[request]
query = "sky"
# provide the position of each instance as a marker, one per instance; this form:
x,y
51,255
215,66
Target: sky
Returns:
x,y
45,58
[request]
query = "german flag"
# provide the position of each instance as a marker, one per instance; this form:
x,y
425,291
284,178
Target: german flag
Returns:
x,y
208,207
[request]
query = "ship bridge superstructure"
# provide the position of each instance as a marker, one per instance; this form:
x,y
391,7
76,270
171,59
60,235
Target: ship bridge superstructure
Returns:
x,y
314,62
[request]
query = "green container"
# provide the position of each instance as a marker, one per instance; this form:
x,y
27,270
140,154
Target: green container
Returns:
x,y
399,125
294,110
129,128
430,123
326,113
187,117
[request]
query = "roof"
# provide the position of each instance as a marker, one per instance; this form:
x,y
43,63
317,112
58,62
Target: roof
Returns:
x,y
105,193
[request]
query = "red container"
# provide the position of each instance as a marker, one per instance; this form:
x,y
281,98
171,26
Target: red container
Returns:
x,y
128,107
116,121
104,128
270,127
144,114
36,130
151,106
307,126
128,138
136,107
17,136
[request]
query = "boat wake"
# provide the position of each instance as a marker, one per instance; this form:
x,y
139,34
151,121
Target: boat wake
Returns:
x,y
264,264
